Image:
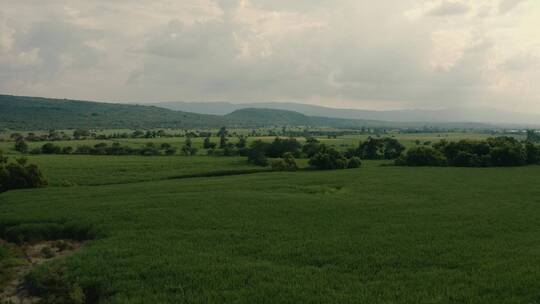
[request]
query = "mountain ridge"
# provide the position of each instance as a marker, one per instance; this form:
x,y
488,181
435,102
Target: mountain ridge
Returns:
x,y
452,115
35,113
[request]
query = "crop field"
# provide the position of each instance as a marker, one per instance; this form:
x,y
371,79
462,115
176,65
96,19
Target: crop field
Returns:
x,y
73,170
378,234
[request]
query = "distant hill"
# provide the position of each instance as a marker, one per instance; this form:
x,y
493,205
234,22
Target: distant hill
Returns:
x,y
273,117
480,115
35,113
262,117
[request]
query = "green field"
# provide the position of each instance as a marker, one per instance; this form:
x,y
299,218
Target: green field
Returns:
x,y
72,170
378,234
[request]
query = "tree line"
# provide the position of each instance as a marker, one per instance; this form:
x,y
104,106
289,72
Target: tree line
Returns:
x,y
501,151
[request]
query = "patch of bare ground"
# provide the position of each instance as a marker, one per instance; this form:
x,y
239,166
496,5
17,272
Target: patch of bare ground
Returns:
x,y
33,255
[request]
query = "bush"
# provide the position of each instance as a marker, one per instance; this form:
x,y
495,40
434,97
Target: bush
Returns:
x,y
533,153
466,159
67,150
287,163
51,284
422,156
311,147
330,159
170,151
21,146
379,148
207,144
50,148
19,175
280,146
256,154
354,162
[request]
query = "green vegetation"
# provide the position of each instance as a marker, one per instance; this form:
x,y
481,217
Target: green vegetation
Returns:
x,y
374,235
20,113
186,227
82,170
8,260
493,152
19,174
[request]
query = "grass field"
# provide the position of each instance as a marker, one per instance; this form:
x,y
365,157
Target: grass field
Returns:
x,y
71,170
377,234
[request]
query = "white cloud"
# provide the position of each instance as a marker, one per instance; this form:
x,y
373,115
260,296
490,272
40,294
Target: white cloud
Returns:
x,y
376,54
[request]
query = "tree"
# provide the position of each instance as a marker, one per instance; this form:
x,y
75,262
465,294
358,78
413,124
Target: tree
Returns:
x,y
80,133
257,153
19,175
280,146
287,163
188,148
21,146
354,162
50,148
379,148
222,134
330,159
533,136
422,156
241,142
533,153
311,147
207,144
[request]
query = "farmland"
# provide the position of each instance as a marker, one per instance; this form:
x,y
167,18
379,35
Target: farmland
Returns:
x,y
163,229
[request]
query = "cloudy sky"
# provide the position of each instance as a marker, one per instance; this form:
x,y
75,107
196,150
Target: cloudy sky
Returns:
x,y
383,54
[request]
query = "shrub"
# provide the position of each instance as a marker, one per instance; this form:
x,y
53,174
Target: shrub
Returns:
x,y
287,163
256,154
51,284
466,159
330,159
21,146
149,150
50,148
281,146
422,156
378,148
207,144
67,150
311,147
19,175
354,162
170,151
47,252
187,150
533,153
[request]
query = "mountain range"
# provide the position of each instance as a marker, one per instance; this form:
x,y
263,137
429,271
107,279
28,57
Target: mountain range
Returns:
x,y
36,113
450,115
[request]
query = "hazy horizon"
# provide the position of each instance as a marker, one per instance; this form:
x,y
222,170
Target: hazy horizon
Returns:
x,y
384,55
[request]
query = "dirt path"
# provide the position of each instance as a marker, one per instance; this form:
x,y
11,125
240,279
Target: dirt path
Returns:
x,y
34,255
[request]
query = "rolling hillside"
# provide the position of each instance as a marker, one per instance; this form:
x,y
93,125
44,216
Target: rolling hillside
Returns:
x,y
257,117
450,115
34,113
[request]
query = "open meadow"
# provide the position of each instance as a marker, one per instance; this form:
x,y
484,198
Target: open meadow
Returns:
x,y
199,229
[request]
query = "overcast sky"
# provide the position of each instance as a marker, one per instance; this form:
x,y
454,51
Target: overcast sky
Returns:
x,y
382,54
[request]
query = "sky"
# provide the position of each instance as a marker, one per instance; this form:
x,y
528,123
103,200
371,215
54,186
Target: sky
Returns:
x,y
384,54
